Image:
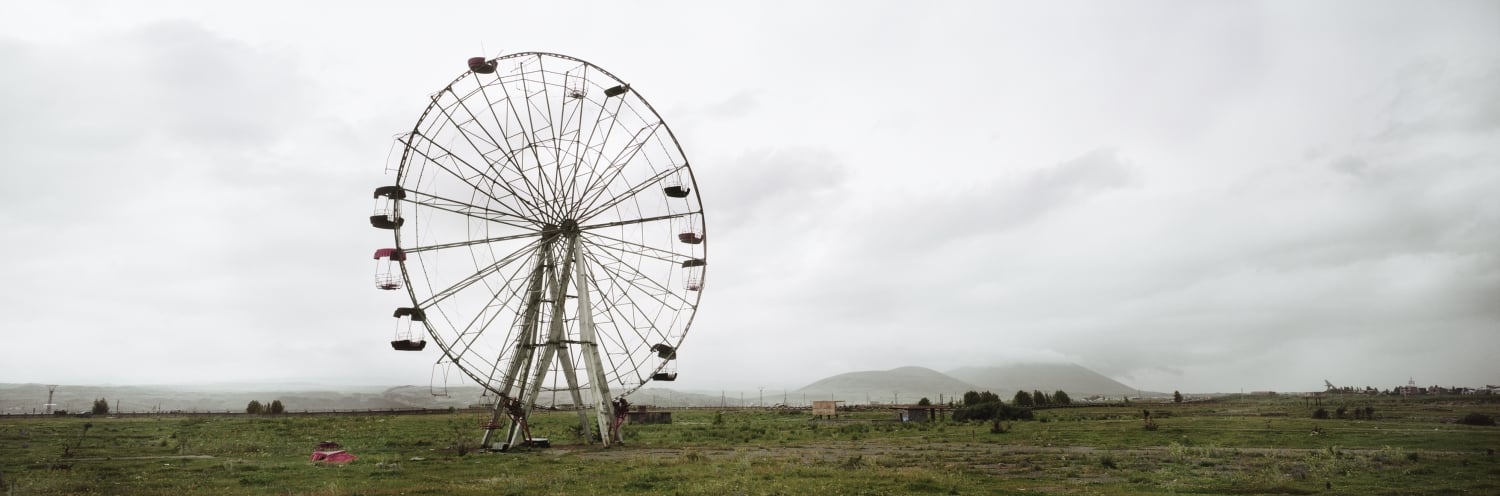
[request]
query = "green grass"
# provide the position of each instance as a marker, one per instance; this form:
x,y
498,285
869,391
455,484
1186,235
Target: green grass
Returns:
x,y
1232,446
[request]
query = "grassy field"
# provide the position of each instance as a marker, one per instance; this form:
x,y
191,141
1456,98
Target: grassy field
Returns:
x,y
1227,446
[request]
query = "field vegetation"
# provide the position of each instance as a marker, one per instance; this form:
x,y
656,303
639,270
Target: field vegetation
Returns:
x,y
1235,445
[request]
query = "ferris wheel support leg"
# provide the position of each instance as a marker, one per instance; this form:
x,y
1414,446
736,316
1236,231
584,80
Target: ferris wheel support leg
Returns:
x,y
524,350
603,410
559,287
489,431
566,358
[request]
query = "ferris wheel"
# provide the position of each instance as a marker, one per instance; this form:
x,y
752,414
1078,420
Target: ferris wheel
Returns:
x,y
550,235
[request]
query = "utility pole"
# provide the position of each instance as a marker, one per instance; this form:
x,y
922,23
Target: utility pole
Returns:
x,y
51,388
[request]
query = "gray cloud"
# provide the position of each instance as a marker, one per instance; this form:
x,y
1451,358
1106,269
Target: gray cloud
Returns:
x,y
1186,197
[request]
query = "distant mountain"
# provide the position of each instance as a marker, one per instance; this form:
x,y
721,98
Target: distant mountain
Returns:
x,y
899,385
32,398
1076,380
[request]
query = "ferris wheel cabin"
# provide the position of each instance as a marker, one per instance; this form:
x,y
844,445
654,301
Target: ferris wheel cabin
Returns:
x,y
385,268
694,269
673,188
403,340
385,209
480,65
667,354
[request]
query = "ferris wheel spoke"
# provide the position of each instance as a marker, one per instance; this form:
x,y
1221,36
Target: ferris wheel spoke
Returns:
x,y
642,250
616,166
642,220
474,336
534,134
552,125
636,275
468,210
477,276
489,164
509,152
588,145
628,194
459,244
466,180
617,317
576,156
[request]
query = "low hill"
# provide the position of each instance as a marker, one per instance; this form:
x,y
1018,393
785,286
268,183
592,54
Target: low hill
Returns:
x,y
899,385
1079,382
32,398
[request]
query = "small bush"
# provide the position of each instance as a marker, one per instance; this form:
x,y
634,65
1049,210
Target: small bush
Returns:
x,y
991,411
1477,418
1107,461
1320,414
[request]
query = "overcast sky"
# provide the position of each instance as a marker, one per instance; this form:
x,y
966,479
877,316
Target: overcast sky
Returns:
x,y
1201,196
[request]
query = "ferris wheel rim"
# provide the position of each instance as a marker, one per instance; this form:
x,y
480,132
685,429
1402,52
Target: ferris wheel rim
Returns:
x,y
540,229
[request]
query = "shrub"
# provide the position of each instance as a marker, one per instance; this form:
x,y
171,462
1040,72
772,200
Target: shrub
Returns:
x,y
1061,398
254,407
101,406
1477,418
1320,414
991,411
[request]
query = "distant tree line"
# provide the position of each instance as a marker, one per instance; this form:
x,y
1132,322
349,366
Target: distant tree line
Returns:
x,y
257,408
1038,398
985,405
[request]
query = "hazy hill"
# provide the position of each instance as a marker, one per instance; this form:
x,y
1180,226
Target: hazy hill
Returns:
x,y
899,385
1078,381
29,398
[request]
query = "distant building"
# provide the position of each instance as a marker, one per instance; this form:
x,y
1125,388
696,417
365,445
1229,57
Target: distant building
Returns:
x,y
919,413
826,408
642,416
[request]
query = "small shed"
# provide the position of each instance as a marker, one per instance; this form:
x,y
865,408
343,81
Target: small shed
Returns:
x,y
642,416
826,408
920,413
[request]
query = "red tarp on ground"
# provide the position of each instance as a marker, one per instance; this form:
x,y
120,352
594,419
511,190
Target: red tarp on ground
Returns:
x,y
331,452
339,456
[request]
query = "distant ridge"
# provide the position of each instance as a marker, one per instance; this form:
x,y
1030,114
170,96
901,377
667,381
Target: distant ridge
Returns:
x,y
1077,381
898,385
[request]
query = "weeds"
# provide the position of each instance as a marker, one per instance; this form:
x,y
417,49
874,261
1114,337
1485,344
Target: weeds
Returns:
x,y
731,452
